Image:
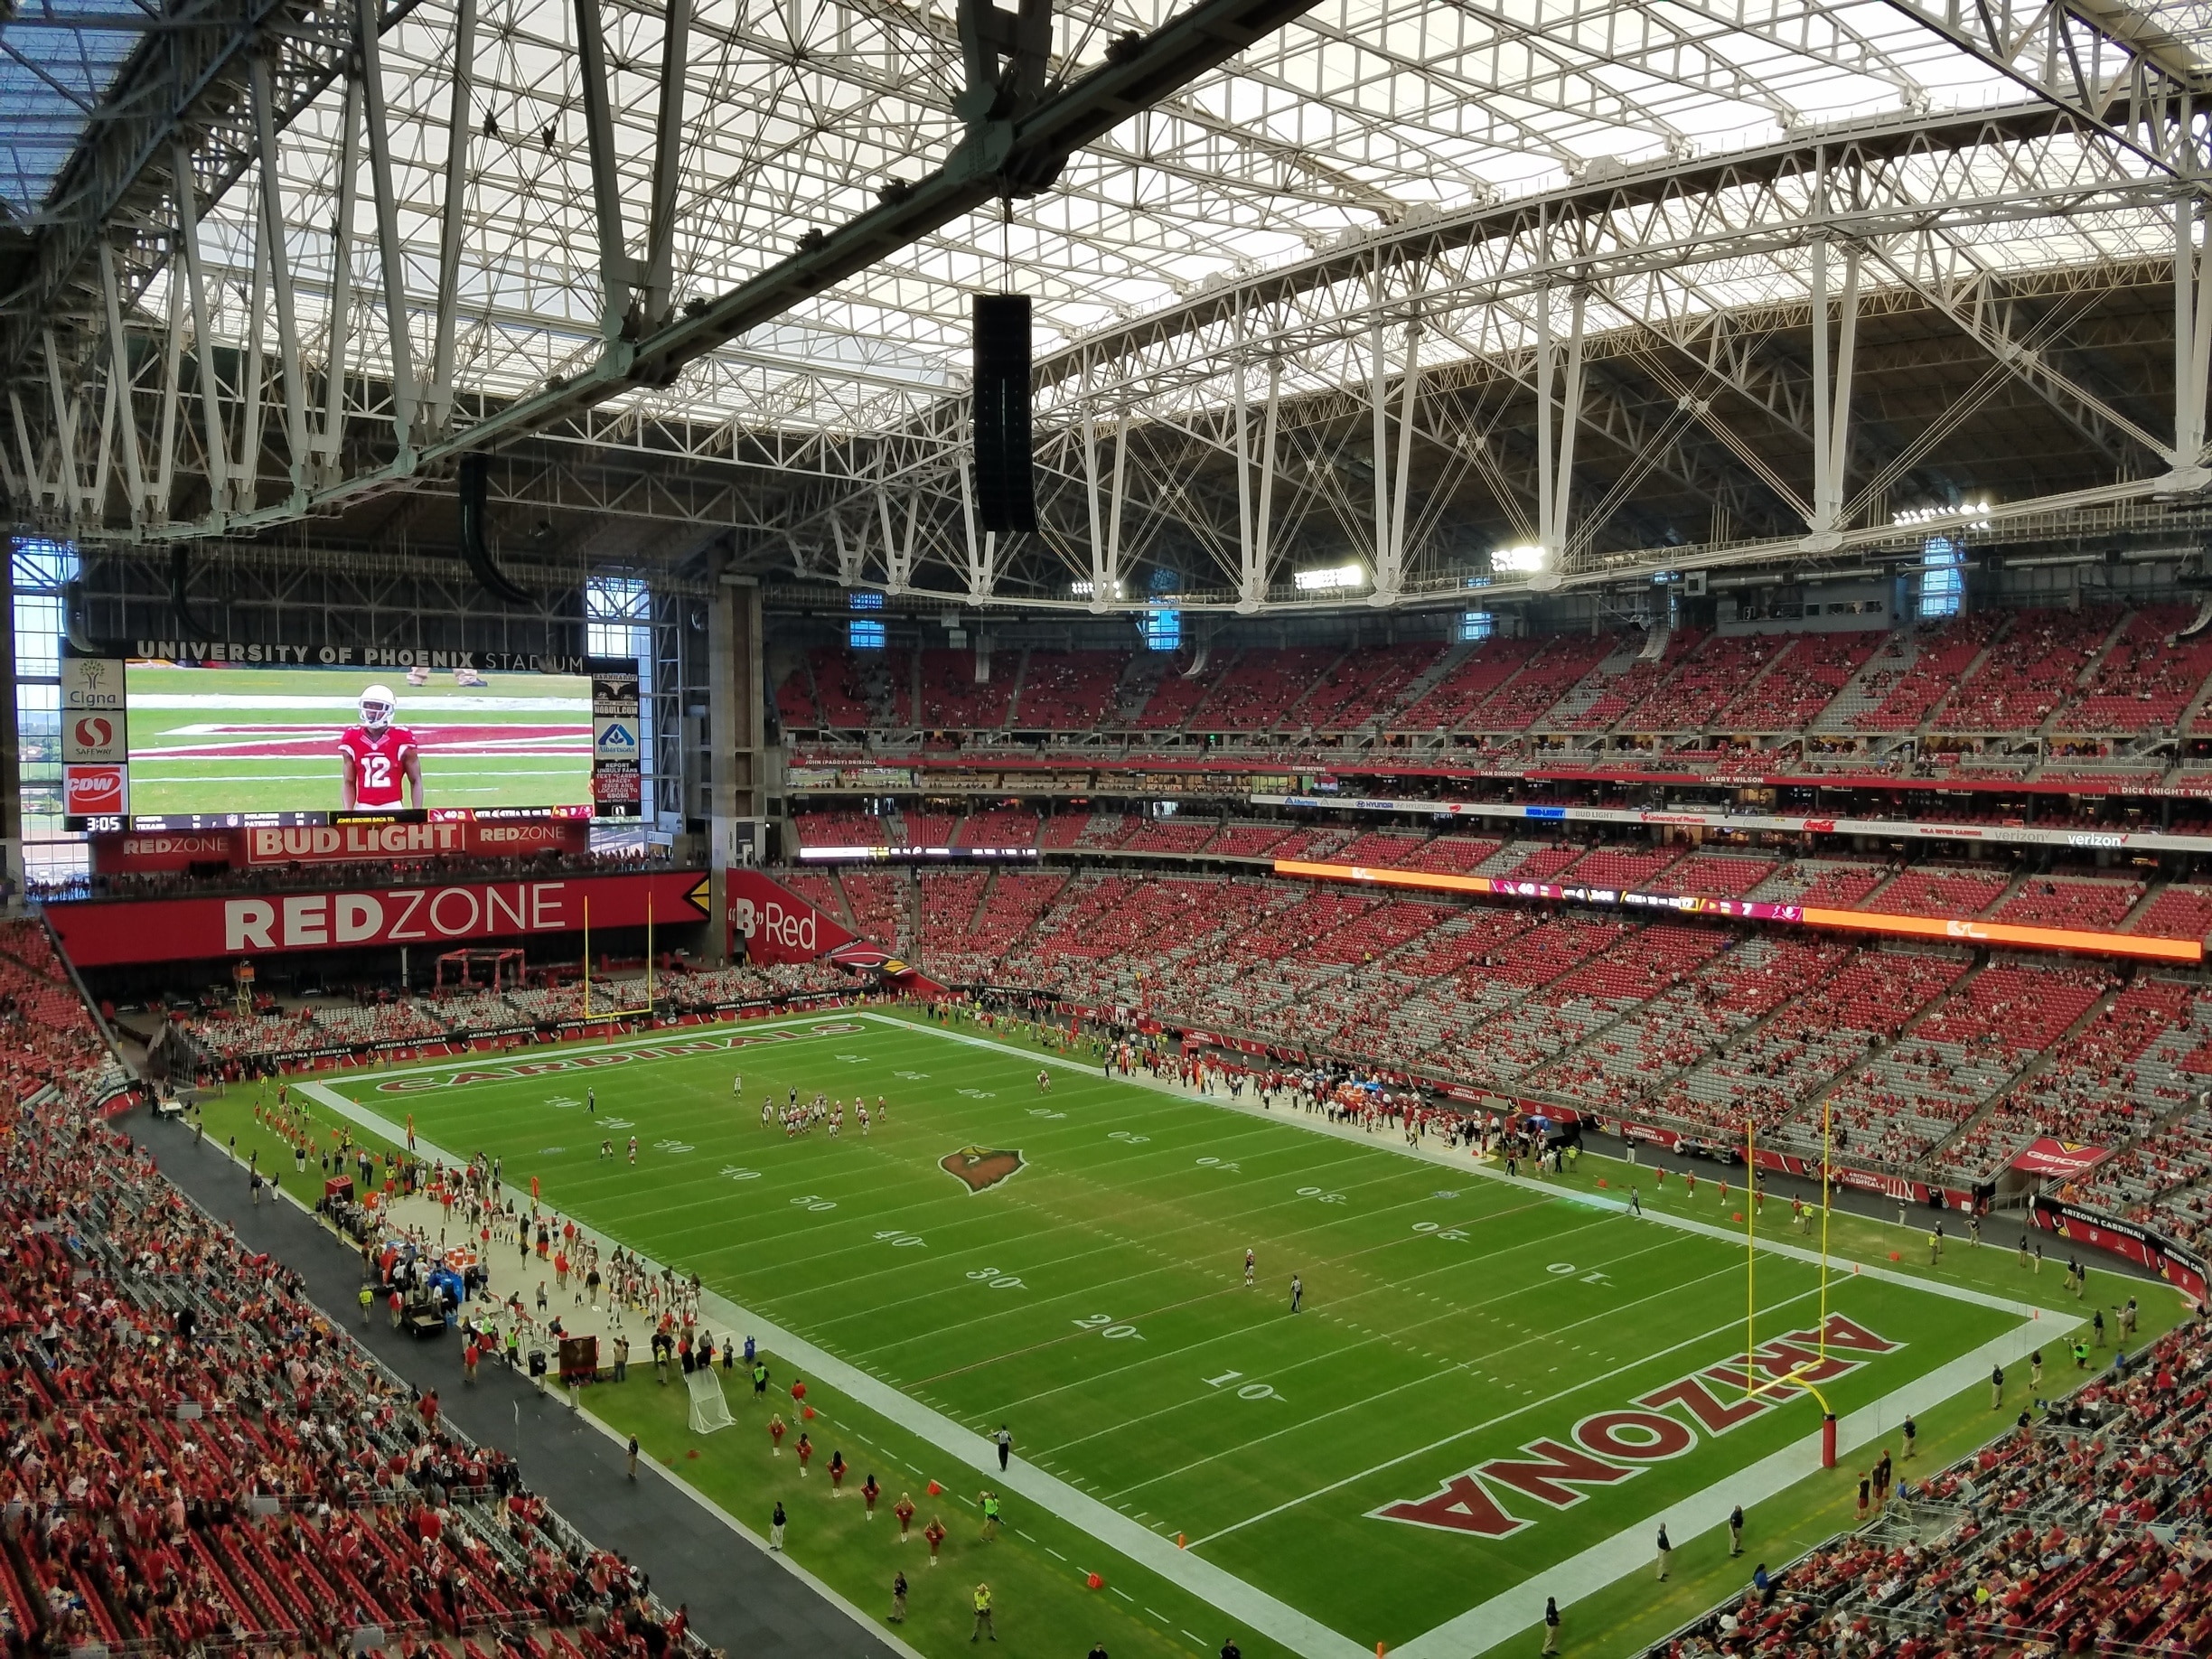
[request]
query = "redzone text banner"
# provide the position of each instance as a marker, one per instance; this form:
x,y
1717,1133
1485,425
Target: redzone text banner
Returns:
x,y
97,933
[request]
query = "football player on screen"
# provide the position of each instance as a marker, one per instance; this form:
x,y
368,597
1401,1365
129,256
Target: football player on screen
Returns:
x,y
375,757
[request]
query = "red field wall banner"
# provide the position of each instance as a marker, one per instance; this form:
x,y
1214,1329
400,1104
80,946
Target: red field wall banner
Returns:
x,y
776,925
2176,1263
99,933
2066,1158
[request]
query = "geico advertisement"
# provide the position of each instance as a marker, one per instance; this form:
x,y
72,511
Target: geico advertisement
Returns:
x,y
97,933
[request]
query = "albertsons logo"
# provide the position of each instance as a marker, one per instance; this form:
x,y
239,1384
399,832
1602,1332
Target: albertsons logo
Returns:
x,y
618,737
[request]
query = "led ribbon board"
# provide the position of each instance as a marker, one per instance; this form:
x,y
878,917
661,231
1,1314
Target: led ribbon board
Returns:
x,y
1957,928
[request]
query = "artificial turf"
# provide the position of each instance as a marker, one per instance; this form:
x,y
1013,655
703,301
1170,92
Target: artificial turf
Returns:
x,y
1093,1300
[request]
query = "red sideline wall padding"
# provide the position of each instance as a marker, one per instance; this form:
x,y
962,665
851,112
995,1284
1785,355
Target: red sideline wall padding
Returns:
x,y
103,933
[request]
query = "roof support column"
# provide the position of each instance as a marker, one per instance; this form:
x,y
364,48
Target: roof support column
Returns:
x,y
1252,575
2192,338
1390,568
667,165
280,279
458,126
1555,478
1263,535
388,235
134,477
335,351
1830,398
217,446
617,272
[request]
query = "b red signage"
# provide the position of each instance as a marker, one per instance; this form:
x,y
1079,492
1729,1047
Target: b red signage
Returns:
x,y
103,933
776,925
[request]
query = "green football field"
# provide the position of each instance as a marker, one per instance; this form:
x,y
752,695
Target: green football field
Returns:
x,y
1494,1390
230,739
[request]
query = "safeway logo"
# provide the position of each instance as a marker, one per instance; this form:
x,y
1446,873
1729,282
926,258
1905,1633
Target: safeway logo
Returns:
x,y
93,732
1609,1447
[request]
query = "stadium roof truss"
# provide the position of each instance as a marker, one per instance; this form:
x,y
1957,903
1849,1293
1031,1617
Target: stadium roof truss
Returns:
x,y
1643,284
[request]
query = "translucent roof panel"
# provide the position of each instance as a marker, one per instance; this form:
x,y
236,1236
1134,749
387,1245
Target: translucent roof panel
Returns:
x,y
1358,116
57,60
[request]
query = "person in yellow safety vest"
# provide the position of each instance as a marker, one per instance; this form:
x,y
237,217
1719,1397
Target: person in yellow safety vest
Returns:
x,y
982,1615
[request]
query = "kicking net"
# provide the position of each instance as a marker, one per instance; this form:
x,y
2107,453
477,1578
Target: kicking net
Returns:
x,y
710,1410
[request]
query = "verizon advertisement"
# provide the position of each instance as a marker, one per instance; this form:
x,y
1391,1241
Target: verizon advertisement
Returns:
x,y
776,926
337,844
104,933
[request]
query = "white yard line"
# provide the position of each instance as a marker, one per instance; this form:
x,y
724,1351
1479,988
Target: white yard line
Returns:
x,y
1251,1608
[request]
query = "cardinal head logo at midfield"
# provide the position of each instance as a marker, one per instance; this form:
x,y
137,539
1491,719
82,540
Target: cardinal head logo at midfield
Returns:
x,y
981,1168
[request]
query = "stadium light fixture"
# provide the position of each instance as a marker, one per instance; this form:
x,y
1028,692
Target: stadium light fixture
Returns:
x,y
1331,579
1526,560
1977,513
1085,589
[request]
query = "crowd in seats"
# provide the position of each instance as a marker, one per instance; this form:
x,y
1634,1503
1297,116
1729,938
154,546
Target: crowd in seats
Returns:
x,y
1366,685
1929,662
1707,678
1249,840
795,705
880,902
999,827
948,902
1069,691
2079,1533
1382,848
1787,1061
1903,1102
2120,1074
1822,882
1173,700
1548,672
1467,686
2098,905
1104,832
1800,685
818,888
856,688
198,1459
951,698
1532,860
2178,912
1721,996
2143,685
2029,673
1262,689
926,828
1601,700
1315,841
1169,835
1009,908
839,830
1452,854
1713,875
1061,831
1622,869
1938,893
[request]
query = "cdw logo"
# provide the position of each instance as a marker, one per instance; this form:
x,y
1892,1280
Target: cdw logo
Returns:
x,y
1609,1447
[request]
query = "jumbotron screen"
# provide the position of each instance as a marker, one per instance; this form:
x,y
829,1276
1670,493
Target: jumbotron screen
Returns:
x,y
298,744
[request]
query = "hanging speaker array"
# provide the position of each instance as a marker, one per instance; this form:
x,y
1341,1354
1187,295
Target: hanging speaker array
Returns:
x,y
1005,499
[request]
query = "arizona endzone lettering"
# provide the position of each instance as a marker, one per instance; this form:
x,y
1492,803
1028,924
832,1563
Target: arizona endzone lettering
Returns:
x,y
1607,1447
623,1057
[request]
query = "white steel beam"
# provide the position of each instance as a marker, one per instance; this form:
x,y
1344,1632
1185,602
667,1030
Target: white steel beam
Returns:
x,y
460,123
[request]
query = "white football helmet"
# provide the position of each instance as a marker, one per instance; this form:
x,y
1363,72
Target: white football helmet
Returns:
x,y
377,705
